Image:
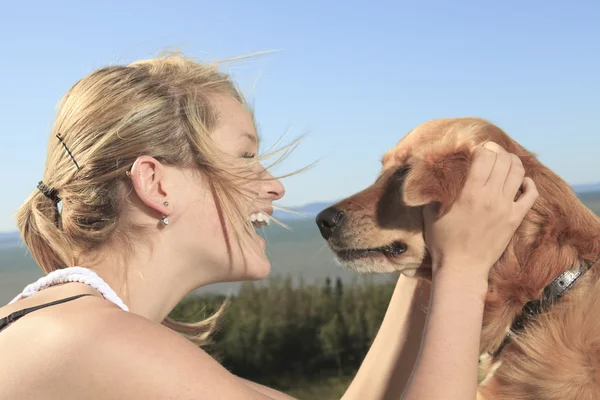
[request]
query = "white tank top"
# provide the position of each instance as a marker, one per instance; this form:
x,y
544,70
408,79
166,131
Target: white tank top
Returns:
x,y
73,274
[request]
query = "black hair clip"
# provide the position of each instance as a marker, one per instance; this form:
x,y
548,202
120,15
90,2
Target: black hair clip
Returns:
x,y
52,194
68,151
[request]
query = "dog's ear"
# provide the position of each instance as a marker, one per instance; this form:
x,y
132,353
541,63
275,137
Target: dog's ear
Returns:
x,y
437,177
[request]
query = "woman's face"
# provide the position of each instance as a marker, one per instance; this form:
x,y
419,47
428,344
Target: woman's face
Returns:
x,y
203,226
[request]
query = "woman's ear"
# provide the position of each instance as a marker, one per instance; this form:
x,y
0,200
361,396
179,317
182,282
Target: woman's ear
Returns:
x,y
147,177
438,177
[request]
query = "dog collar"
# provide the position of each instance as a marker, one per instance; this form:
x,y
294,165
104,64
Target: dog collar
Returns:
x,y
554,291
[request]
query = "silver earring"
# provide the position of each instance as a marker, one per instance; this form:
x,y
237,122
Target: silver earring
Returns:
x,y
165,220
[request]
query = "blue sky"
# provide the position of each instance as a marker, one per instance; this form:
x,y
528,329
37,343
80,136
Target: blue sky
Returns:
x,y
356,75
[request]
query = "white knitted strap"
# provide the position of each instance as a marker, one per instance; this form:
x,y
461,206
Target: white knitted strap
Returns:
x,y
73,274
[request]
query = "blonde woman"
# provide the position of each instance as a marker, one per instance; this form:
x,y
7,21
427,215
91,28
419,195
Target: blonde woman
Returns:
x,y
152,188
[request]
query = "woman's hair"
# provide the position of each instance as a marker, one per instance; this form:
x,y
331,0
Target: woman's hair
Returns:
x,y
159,107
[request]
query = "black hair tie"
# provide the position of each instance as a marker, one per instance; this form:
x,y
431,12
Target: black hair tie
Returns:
x,y
52,194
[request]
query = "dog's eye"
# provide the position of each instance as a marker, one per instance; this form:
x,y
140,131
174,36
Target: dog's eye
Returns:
x,y
391,210
395,178
400,174
395,182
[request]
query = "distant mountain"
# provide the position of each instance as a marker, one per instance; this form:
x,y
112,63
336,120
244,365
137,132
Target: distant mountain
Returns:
x,y
306,211
591,187
9,239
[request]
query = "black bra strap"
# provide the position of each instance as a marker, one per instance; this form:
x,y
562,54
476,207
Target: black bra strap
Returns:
x,y
4,322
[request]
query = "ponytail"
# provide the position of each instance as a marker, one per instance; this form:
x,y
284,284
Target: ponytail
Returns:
x,y
39,222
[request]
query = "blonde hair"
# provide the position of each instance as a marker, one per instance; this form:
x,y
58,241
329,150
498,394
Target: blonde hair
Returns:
x,y
159,107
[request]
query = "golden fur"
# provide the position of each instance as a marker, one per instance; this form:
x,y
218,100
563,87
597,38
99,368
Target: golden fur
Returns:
x,y
558,356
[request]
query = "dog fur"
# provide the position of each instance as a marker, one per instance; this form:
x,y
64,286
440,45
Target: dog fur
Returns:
x,y
557,357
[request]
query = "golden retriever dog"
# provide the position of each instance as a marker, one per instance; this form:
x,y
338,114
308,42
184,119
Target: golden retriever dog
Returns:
x,y
541,325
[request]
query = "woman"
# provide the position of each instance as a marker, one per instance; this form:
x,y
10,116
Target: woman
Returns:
x,y
152,188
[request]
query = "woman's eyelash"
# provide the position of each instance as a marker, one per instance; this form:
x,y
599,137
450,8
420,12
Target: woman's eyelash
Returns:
x,y
248,155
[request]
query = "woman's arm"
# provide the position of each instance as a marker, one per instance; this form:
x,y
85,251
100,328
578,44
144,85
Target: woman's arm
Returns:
x,y
387,366
464,244
447,365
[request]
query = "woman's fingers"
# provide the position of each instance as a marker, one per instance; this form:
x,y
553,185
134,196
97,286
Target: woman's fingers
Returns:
x,y
481,167
514,180
526,200
500,169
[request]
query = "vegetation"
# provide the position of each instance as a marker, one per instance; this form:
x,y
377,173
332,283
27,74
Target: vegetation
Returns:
x,y
307,340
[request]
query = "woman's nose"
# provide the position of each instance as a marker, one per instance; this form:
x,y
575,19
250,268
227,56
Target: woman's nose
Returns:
x,y
273,187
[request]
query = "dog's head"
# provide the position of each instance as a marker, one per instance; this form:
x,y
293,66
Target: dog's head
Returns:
x,y
380,229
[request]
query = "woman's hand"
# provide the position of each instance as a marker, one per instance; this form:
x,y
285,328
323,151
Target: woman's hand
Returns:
x,y
464,244
477,229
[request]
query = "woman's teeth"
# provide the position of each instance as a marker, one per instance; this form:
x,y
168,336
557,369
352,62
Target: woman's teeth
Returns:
x,y
259,219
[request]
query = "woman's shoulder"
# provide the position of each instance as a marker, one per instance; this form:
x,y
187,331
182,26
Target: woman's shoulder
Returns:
x,y
136,358
86,325
94,349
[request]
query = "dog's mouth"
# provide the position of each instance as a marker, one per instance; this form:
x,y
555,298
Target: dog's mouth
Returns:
x,y
392,250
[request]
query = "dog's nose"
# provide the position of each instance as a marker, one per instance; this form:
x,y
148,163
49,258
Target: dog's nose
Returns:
x,y
329,219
